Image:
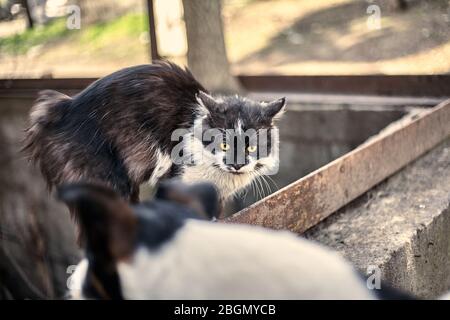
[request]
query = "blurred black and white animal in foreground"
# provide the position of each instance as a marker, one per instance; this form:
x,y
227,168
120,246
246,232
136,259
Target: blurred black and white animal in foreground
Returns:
x,y
147,122
163,249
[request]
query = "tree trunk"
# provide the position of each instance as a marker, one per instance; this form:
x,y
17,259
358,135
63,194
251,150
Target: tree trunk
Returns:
x,y
30,22
392,5
207,56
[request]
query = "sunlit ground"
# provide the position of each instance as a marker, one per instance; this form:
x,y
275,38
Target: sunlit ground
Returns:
x,y
263,37
337,37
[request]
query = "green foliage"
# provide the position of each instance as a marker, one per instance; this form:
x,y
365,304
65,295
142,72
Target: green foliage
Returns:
x,y
94,35
130,25
21,43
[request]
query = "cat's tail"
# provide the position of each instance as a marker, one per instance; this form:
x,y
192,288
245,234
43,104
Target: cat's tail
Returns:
x,y
46,111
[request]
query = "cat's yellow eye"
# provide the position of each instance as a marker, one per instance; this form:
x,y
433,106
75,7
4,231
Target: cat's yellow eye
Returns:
x,y
251,149
224,146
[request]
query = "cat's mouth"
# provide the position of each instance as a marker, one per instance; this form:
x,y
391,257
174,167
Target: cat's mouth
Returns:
x,y
235,169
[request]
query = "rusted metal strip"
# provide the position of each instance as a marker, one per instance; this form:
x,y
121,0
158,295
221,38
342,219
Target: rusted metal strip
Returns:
x,y
306,202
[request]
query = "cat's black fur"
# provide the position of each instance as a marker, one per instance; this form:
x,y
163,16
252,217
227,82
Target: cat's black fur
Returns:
x,y
117,131
114,230
99,135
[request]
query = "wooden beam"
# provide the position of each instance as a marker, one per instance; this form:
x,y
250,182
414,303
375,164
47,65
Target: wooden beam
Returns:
x,y
437,86
306,202
392,85
154,55
348,99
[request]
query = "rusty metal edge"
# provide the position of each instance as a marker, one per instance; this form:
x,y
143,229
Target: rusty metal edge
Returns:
x,y
309,200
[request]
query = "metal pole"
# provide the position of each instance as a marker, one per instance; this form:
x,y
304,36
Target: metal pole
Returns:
x,y
152,31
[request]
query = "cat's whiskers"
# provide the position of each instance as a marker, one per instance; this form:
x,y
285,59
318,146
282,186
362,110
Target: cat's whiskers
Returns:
x,y
254,175
269,189
273,182
261,188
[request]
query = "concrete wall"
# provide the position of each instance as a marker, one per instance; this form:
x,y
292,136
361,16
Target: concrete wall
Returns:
x,y
401,226
312,136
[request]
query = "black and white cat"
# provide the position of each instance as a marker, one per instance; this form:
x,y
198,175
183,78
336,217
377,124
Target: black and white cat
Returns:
x,y
163,250
147,122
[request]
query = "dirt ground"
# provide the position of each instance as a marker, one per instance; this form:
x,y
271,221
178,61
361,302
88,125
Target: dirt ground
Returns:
x,y
337,38
277,37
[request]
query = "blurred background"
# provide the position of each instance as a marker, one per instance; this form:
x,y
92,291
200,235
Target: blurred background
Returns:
x,y
38,38
349,69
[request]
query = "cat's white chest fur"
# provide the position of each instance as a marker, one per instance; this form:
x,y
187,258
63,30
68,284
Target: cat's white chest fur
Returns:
x,y
198,163
228,184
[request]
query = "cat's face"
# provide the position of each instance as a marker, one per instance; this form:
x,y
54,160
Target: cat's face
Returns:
x,y
238,135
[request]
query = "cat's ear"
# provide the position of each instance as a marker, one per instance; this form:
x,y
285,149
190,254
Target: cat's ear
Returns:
x,y
275,109
107,222
206,101
200,197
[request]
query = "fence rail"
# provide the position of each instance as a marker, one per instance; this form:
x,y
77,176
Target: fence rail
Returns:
x,y
411,86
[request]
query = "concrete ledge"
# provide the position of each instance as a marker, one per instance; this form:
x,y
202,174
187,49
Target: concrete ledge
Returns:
x,y
401,226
